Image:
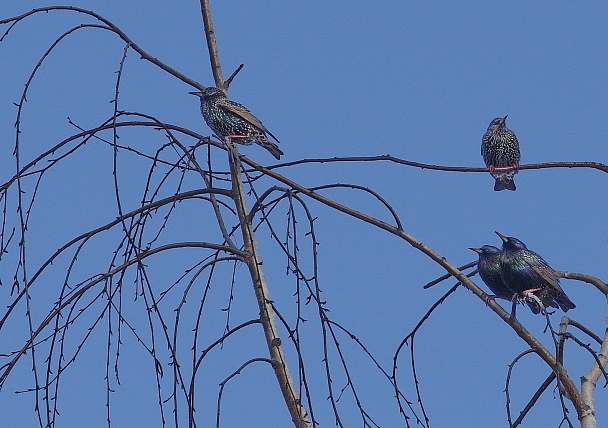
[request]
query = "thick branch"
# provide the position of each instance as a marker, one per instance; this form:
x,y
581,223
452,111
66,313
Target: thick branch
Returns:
x,y
569,386
267,315
589,382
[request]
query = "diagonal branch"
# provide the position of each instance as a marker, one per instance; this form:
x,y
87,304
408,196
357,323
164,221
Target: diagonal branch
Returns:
x,y
267,315
569,386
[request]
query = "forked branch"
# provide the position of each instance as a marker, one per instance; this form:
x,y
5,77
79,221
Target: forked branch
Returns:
x,y
297,411
569,387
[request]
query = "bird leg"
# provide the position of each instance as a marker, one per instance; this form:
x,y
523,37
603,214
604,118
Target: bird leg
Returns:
x,y
513,308
229,141
229,137
231,147
514,167
514,300
529,295
529,292
489,297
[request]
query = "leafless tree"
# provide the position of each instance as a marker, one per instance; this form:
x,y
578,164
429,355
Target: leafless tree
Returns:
x,y
119,273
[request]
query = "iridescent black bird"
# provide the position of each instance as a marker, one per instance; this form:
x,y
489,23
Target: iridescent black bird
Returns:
x,y
500,148
489,270
232,121
525,273
488,267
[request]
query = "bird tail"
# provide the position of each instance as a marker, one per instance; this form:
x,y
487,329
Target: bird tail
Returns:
x,y
271,147
564,302
556,298
504,182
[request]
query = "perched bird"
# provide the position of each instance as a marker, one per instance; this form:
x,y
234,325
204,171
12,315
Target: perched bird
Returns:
x,y
526,273
488,267
489,270
232,121
500,149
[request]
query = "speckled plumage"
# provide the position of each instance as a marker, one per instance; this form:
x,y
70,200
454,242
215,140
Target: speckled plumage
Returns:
x,y
500,148
523,270
232,120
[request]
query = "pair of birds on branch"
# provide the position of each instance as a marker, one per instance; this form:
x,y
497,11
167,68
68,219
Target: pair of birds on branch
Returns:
x,y
516,273
232,121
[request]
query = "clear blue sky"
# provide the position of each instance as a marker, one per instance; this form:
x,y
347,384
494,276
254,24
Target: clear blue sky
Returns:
x,y
420,81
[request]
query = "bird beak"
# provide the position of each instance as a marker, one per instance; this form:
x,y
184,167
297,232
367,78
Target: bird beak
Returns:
x,y
501,236
477,250
198,94
503,119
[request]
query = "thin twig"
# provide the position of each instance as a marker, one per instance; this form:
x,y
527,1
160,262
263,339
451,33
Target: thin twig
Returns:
x,y
118,31
524,334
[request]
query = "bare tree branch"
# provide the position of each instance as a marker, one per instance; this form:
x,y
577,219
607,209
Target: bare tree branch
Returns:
x,y
115,29
598,283
532,341
214,55
389,158
589,383
297,411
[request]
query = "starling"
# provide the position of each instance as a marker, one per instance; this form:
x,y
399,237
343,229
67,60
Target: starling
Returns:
x,y
488,267
525,273
489,270
232,121
500,149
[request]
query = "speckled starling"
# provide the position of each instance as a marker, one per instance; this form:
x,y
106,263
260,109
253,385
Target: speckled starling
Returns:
x,y
489,270
232,121
500,149
525,273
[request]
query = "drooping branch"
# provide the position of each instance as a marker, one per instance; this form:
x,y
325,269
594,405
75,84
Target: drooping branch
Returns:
x,y
115,29
59,307
534,398
91,233
251,256
569,387
298,414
